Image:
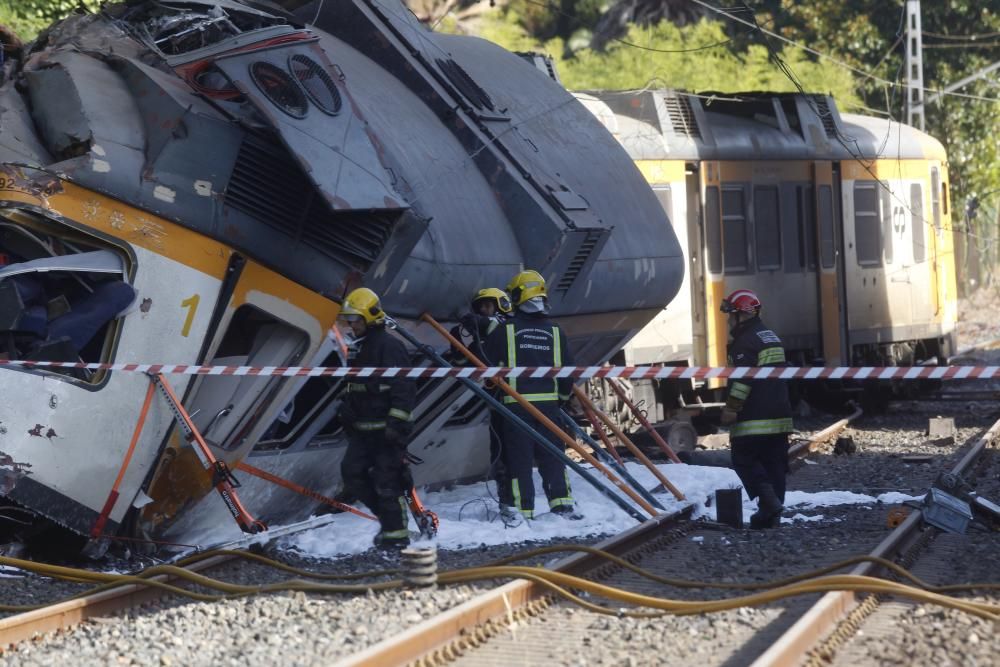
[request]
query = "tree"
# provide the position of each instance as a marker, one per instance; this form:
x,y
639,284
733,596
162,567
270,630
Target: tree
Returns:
x,y
28,17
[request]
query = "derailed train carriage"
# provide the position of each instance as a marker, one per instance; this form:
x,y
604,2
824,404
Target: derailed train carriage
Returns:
x,y
239,167
839,222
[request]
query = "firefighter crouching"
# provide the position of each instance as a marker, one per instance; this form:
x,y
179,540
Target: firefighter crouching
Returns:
x,y
758,410
530,338
376,416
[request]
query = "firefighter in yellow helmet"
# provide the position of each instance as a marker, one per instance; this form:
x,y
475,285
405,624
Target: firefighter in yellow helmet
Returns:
x,y
375,414
488,308
530,338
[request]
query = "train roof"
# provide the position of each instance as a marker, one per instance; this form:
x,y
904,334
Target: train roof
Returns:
x,y
677,125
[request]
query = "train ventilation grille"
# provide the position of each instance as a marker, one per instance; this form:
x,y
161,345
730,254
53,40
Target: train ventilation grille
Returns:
x,y
268,185
682,116
579,260
825,115
465,84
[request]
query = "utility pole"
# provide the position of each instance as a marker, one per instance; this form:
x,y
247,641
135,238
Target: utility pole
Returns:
x,y
914,66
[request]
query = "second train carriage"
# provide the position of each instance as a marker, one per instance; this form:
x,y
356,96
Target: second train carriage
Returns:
x,y
840,222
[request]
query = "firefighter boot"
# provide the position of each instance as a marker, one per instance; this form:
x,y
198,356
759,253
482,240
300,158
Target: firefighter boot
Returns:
x,y
768,514
392,540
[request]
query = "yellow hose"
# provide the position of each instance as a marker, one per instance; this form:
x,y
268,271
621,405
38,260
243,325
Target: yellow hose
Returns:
x,y
818,581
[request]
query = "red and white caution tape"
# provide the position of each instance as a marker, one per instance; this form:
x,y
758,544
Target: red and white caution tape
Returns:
x,y
574,372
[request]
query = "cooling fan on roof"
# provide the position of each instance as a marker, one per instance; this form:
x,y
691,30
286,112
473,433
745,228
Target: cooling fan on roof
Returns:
x,y
279,87
466,85
317,83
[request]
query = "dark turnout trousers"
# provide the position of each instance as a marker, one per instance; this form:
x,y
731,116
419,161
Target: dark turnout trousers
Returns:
x,y
520,452
761,459
374,472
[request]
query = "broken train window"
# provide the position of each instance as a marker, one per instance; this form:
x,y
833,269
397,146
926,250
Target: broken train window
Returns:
x,y
61,296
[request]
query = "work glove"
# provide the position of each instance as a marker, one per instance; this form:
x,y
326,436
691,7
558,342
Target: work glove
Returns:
x,y
728,416
470,322
397,432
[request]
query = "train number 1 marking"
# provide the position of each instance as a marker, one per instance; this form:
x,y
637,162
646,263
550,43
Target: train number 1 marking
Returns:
x,y
191,303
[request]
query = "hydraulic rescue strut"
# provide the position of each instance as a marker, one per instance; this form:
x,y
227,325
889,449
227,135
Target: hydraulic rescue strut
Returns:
x,y
427,521
222,478
521,424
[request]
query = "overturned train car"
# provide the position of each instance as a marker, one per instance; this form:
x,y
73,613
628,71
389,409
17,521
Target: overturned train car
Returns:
x,y
231,171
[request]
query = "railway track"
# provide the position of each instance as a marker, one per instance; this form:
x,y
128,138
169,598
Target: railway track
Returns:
x,y
670,544
520,622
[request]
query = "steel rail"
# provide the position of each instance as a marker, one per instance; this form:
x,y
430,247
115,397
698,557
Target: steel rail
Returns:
x,y
439,631
69,613
807,446
792,647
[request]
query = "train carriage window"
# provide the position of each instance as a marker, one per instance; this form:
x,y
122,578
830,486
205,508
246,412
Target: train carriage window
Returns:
x,y
806,209
827,240
734,230
713,229
767,227
944,197
936,197
917,210
663,195
867,235
885,199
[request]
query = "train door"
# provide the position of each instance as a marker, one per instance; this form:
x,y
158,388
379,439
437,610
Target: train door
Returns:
x,y
257,330
696,265
933,237
714,284
830,269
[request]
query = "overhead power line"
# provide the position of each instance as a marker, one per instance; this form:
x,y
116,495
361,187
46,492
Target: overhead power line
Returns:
x,y
820,54
970,38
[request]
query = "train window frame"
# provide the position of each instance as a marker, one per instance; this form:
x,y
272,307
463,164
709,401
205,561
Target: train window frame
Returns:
x,y
735,227
870,241
805,205
936,198
885,213
53,252
767,247
308,405
237,336
919,232
827,233
665,196
713,229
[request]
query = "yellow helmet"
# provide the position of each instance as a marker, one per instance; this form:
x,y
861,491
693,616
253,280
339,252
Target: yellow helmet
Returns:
x,y
526,285
498,295
365,303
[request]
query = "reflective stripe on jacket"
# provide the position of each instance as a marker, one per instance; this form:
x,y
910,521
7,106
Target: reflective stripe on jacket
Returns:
x,y
374,400
762,406
532,340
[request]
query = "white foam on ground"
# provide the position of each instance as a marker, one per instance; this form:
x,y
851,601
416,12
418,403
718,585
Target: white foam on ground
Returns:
x,y
468,514
803,500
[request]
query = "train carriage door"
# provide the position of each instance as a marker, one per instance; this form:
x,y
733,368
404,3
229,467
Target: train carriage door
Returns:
x,y
257,329
713,282
697,270
829,271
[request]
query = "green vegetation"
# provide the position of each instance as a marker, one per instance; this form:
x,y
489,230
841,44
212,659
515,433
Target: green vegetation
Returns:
x,y
28,17
864,34
622,66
